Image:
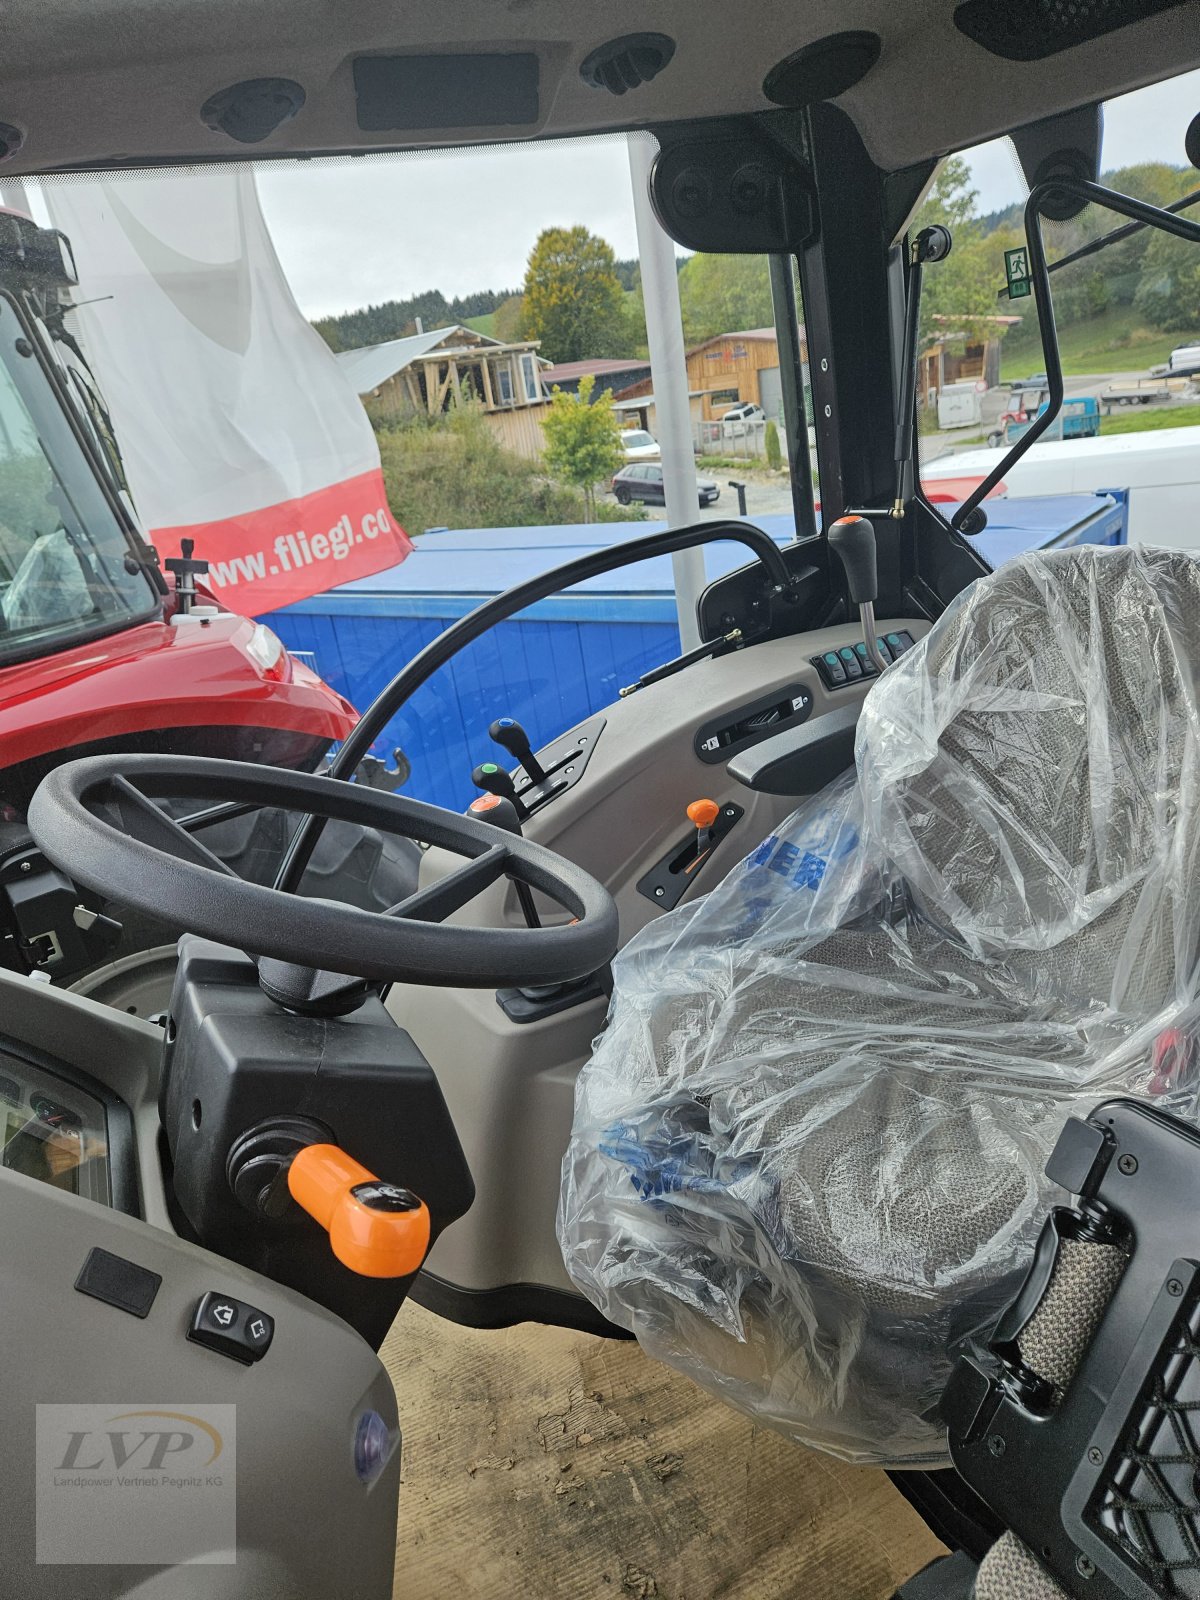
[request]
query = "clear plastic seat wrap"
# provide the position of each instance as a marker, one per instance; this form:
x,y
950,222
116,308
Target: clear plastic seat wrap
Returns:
x,y
807,1151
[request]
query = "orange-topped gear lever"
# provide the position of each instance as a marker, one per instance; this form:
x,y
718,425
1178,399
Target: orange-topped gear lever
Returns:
x,y
702,814
378,1230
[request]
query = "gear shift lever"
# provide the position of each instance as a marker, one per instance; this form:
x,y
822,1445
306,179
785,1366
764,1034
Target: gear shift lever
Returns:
x,y
511,736
854,540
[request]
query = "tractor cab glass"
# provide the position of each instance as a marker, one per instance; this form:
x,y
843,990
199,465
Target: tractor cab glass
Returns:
x,y
64,560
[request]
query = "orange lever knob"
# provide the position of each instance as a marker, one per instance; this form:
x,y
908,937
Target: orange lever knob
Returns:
x,y
704,812
378,1230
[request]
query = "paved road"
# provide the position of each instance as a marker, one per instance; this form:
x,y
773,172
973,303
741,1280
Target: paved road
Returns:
x,y
765,497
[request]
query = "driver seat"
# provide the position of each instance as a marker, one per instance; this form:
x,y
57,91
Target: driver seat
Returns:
x,y
808,1151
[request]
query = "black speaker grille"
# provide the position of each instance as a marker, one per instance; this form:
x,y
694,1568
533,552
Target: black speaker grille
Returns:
x,y
1029,30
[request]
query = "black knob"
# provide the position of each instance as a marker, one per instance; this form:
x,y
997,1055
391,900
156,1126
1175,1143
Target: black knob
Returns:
x,y
498,810
511,736
494,780
854,540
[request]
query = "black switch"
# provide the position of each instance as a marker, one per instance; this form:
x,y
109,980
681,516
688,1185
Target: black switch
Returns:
x,y
118,1282
379,1196
231,1327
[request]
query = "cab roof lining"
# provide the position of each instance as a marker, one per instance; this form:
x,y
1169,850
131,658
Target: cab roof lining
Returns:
x,y
121,82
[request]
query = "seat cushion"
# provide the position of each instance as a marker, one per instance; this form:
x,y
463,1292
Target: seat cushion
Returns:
x,y
807,1153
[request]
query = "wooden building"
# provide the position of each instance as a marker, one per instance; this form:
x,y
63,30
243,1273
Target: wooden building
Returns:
x,y
432,372
966,354
735,368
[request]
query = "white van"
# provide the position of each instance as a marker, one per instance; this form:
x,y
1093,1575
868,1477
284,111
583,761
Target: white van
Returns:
x,y
1185,358
1161,470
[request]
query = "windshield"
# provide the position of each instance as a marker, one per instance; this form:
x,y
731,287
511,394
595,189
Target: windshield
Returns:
x,y
636,438
62,552
1121,310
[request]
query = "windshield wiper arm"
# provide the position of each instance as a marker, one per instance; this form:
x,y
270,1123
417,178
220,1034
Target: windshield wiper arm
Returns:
x,y
1117,234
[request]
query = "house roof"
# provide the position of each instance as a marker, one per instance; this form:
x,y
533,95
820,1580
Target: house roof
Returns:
x,y
373,364
740,333
568,371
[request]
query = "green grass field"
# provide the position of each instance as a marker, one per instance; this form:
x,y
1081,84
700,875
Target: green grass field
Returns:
x,y
485,325
1115,342
1138,420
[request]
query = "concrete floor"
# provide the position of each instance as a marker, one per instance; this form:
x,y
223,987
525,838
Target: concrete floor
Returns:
x,y
540,1463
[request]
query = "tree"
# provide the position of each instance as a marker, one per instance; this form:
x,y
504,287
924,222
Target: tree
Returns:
x,y
951,200
583,443
724,294
1169,292
509,319
573,298
771,444
959,294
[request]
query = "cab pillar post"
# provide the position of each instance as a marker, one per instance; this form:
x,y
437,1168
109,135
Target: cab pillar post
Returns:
x,y
668,373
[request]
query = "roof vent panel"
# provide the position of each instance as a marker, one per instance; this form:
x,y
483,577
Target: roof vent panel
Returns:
x,y
249,112
624,63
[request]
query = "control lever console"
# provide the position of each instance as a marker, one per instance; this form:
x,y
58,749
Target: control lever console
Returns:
x,y
540,778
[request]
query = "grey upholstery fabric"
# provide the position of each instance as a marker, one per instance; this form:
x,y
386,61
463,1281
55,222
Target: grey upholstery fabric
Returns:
x,y
1009,1572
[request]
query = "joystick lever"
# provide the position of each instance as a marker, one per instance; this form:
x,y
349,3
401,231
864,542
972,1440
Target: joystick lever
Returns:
x,y
494,780
508,733
854,540
702,814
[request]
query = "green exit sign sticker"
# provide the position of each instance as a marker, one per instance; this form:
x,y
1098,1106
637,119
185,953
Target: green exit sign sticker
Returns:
x,y
1016,270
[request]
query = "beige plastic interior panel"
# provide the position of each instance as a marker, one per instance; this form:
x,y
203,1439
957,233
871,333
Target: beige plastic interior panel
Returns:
x,y
510,1088
296,1408
122,82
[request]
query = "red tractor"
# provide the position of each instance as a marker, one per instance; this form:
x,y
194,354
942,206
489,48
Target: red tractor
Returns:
x,y
100,651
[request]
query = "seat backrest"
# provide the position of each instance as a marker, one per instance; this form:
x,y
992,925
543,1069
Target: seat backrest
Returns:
x,y
1032,770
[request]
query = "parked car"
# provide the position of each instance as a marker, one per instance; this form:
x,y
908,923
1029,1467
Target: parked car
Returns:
x,y
639,445
738,418
644,481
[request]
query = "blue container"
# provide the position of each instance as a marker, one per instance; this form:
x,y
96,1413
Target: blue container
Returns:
x,y
567,657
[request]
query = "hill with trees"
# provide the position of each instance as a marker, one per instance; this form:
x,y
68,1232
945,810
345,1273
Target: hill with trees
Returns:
x,y
396,319
1117,309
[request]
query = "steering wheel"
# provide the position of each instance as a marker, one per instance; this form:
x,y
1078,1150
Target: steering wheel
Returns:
x,y
97,820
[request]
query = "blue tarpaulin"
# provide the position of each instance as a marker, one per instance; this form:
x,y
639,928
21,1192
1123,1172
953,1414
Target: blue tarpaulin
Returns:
x,y
565,657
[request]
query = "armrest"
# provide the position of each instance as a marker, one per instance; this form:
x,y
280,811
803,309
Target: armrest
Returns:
x,y
800,760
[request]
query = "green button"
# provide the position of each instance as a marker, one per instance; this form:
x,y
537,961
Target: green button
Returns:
x,y
846,653
489,766
893,638
831,657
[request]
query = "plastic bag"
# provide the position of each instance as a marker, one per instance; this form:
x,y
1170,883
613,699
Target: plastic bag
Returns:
x,y
807,1155
49,587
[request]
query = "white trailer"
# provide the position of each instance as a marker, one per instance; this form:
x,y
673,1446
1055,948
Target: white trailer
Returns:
x,y
1160,469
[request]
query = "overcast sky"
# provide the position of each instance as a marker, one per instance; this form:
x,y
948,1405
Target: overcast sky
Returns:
x,y
358,231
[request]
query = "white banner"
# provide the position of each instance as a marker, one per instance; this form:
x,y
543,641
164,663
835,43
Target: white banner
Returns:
x,y
235,423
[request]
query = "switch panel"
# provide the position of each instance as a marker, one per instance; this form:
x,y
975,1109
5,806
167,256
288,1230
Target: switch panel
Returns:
x,y
852,664
724,736
231,1328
